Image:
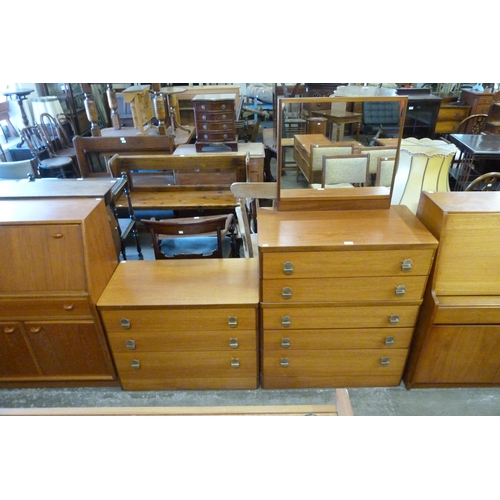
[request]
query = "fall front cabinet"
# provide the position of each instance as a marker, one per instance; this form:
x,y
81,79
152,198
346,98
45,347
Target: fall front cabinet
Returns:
x,y
340,295
56,257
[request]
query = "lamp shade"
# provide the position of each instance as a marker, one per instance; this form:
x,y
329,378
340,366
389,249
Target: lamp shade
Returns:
x,y
424,165
48,104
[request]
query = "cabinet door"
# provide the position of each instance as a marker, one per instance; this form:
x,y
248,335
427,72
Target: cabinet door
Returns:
x,y
70,349
462,354
15,357
42,258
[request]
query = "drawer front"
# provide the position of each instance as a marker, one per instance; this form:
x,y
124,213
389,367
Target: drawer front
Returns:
x,y
324,317
405,262
447,127
207,117
344,362
65,307
344,289
216,136
216,127
347,338
136,341
452,113
482,109
187,370
162,320
484,100
468,315
223,105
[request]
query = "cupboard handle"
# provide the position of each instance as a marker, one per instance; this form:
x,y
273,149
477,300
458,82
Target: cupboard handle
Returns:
x,y
285,343
389,340
9,329
233,343
394,319
235,363
130,344
286,321
57,235
68,307
288,268
135,364
125,323
232,321
35,329
384,361
286,293
284,362
407,265
400,291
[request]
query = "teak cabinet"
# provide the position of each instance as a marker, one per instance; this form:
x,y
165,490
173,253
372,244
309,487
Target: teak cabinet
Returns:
x,y
340,295
457,337
56,256
184,324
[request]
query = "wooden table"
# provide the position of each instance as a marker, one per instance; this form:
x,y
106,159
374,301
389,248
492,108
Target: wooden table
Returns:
x,y
339,117
182,136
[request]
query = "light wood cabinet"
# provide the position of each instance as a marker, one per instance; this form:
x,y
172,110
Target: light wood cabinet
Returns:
x,y
340,295
59,255
184,324
457,337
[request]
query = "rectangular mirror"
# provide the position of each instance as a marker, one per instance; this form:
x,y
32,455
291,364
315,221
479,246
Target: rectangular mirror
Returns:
x,y
368,127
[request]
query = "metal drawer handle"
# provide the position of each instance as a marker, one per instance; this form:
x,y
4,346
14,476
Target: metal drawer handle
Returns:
x,y
400,291
285,363
235,363
68,307
394,319
384,361
224,117
233,343
286,321
203,107
288,268
35,329
389,340
203,117
407,265
130,344
285,343
223,106
9,329
286,293
232,321
135,364
125,323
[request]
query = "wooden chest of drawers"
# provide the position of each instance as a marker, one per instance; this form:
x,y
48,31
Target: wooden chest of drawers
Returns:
x,y
215,120
184,324
457,336
340,295
449,118
479,102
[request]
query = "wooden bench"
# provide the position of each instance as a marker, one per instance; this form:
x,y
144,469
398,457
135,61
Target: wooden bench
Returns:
x,y
93,153
190,182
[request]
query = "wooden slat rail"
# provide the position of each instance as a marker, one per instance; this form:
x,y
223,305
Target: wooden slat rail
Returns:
x,y
88,148
174,182
340,408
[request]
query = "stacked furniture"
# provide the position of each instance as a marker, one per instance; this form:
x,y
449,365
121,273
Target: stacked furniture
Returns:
x,y
457,337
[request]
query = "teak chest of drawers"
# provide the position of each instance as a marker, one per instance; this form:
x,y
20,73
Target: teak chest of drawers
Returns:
x,y
340,295
457,336
215,121
183,324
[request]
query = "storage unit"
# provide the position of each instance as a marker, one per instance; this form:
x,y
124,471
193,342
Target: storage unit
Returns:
x,y
450,116
60,255
184,324
340,295
457,337
479,102
215,121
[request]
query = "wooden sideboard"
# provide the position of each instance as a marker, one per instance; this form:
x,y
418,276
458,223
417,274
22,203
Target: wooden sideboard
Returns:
x,y
184,324
340,295
450,116
457,337
56,256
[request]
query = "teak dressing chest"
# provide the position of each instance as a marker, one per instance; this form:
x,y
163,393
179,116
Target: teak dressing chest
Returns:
x,y
457,337
340,295
56,256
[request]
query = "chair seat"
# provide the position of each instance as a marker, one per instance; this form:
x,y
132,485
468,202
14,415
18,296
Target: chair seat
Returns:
x,y
60,166
202,245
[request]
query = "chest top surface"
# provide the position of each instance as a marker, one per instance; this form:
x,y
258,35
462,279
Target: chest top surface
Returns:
x,y
341,230
178,283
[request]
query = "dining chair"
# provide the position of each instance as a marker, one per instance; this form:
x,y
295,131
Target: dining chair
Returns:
x,y
473,124
248,195
56,136
192,237
374,153
16,169
486,182
385,171
48,164
345,171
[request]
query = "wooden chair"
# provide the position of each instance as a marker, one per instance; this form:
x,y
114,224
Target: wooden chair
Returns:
x,y
16,169
57,138
374,153
474,124
248,195
486,182
191,237
316,158
344,171
48,164
385,171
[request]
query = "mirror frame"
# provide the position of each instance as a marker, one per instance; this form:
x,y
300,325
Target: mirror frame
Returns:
x,y
333,199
